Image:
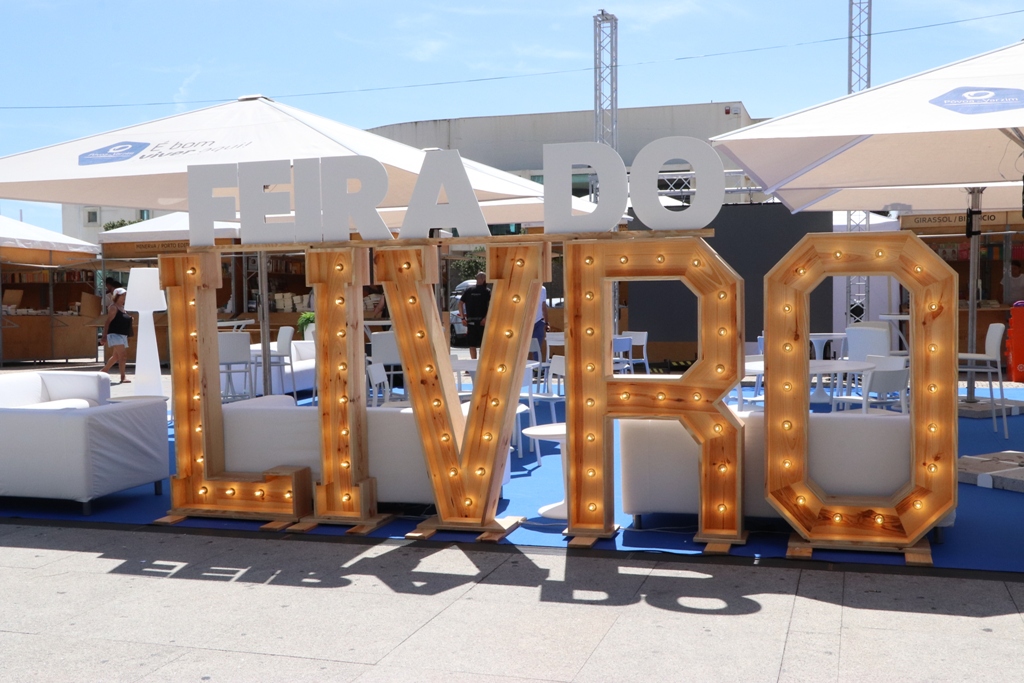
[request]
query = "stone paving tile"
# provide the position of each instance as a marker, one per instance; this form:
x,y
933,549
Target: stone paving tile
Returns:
x,y
872,654
37,658
518,639
219,666
397,674
818,607
681,646
39,603
533,575
756,596
928,604
445,571
329,624
810,656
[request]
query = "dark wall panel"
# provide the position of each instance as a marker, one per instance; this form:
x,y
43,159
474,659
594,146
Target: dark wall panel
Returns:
x,y
752,238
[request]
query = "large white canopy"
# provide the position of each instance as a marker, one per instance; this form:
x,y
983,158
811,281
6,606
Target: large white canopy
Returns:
x,y
145,166
15,235
167,228
939,131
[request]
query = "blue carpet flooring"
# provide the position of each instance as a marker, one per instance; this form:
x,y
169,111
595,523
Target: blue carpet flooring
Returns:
x,y
988,534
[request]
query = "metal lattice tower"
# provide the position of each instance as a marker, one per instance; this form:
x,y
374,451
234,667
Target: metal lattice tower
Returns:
x,y
606,83
858,78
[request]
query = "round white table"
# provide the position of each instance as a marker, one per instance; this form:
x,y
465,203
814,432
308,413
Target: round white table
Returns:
x,y
553,432
818,340
819,368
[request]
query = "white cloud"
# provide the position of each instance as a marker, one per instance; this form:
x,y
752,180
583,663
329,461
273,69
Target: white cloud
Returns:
x,y
545,52
183,93
425,50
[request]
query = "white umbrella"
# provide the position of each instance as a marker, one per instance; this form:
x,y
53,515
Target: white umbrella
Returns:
x,y
914,144
956,125
145,166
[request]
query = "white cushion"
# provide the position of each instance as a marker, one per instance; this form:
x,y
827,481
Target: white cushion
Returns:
x,y
57,405
21,388
855,454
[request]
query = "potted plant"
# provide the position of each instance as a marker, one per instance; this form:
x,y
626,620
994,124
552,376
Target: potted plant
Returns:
x,y
304,321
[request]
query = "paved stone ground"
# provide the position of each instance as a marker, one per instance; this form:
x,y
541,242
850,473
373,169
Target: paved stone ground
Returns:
x,y
88,604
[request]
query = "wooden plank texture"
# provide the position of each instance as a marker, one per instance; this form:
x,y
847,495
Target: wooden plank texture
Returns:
x,y
853,521
201,486
595,396
465,457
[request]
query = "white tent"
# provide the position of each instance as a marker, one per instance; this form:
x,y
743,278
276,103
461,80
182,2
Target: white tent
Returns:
x,y
166,228
22,243
145,166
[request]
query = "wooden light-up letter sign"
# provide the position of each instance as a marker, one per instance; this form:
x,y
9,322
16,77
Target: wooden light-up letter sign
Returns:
x,y
595,396
465,462
345,494
851,521
201,487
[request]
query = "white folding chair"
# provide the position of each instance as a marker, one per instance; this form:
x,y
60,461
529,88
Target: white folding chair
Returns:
x,y
990,363
235,359
554,380
639,339
555,340
867,338
384,350
863,340
377,378
890,376
622,354
280,357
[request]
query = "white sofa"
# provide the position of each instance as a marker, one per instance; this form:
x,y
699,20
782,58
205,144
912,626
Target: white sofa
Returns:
x,y
270,431
266,432
302,371
60,438
851,454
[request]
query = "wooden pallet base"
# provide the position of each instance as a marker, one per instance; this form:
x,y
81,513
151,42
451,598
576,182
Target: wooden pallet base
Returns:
x,y
720,546
360,527
170,519
492,533
917,555
274,525
587,540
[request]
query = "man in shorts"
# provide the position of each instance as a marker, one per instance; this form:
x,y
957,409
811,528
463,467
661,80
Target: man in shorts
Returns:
x,y
117,329
473,309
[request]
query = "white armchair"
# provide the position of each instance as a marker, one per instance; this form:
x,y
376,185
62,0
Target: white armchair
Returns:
x,y
59,438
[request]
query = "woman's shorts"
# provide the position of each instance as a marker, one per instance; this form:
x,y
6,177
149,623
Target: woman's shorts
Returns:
x,y
117,340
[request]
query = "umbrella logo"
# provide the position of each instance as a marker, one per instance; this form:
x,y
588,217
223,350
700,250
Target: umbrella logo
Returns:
x,y
980,100
119,151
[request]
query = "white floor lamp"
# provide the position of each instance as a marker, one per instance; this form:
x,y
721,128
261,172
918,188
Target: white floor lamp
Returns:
x,y
145,297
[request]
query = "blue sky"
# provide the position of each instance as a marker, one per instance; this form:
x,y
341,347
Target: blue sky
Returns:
x,y
59,53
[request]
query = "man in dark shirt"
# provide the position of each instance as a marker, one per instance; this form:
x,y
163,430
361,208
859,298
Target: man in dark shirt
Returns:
x,y
473,308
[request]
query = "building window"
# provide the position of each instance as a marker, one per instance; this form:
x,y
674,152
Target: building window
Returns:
x,y
92,216
143,214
